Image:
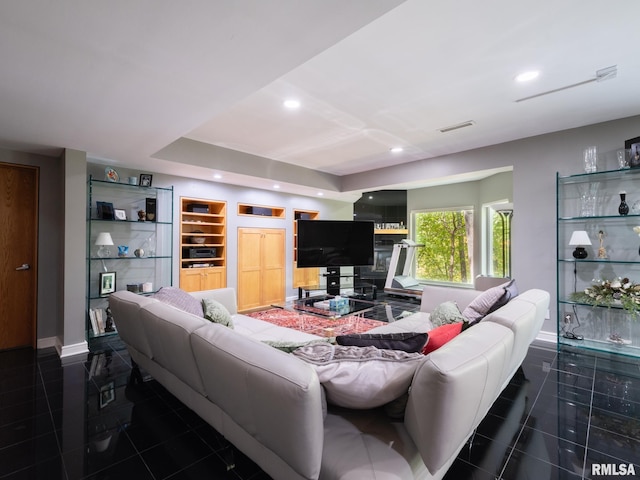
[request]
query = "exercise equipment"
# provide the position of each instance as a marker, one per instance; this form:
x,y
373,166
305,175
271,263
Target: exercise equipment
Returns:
x,y
404,284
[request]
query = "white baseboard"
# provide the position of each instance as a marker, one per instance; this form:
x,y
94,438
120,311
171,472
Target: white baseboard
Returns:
x,y
71,350
547,337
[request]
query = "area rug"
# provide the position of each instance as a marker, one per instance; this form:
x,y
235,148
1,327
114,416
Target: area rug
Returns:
x,y
324,327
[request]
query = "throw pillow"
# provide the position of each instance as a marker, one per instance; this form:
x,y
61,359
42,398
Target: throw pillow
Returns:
x,y
361,377
447,312
510,292
215,312
180,299
489,301
410,342
441,335
289,346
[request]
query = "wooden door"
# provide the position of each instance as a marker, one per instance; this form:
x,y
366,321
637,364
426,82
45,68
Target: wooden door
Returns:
x,y
249,268
273,269
261,269
18,255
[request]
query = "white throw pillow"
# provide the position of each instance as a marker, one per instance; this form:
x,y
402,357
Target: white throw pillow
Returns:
x,y
361,377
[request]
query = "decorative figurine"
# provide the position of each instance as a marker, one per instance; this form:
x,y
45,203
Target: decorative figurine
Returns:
x,y
108,325
602,252
142,215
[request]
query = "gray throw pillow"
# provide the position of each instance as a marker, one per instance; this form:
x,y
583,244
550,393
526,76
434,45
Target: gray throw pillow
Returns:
x,y
215,312
446,312
180,299
489,301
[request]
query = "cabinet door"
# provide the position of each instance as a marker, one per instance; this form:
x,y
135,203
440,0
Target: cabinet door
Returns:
x,y
261,267
191,279
213,278
273,266
249,268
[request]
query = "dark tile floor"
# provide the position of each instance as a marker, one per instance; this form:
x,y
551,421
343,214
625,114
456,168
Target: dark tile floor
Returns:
x,y
564,413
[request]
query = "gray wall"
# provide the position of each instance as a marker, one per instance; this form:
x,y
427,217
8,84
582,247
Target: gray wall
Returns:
x,y
50,237
474,194
535,162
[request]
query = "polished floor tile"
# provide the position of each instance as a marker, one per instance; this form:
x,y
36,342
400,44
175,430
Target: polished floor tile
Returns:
x,y
563,412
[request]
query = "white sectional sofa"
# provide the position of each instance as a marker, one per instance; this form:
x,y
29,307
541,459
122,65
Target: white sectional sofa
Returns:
x,y
270,404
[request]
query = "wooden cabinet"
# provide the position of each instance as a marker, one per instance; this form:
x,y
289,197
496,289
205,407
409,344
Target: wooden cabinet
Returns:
x,y
203,234
261,267
303,277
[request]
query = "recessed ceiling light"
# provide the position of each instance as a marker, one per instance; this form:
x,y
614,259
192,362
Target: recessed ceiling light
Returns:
x,y
276,186
291,104
217,176
527,76
320,194
396,149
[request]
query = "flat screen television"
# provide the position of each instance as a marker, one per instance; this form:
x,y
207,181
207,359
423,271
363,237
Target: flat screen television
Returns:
x,y
335,243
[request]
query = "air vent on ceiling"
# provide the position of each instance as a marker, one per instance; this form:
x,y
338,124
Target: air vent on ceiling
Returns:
x,y
456,127
601,75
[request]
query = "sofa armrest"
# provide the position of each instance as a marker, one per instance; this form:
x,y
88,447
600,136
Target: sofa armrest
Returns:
x,y
226,296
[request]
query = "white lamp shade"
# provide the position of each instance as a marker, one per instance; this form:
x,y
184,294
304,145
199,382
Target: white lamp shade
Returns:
x,y
579,237
104,238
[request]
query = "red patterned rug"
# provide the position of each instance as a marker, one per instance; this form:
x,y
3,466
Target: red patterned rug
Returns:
x,y
324,327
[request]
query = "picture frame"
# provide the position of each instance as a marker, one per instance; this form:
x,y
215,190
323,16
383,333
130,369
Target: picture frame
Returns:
x,y
107,395
107,283
119,214
633,147
105,210
145,179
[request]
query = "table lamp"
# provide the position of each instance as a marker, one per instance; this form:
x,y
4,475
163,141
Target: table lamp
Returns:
x,y
578,239
104,239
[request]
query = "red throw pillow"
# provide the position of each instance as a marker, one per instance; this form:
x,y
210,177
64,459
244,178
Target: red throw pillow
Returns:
x,y
441,335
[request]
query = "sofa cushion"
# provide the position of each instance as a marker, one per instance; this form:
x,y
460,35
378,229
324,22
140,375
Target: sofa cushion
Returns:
x,y
361,377
178,298
446,312
441,335
406,341
489,301
215,312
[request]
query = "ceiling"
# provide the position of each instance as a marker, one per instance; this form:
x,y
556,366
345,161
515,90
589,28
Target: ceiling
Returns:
x,y
123,80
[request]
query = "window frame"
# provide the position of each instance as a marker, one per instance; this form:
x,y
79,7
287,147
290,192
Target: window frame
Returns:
x,y
471,248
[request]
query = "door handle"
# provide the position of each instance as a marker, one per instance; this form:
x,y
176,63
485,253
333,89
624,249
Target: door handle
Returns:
x,y
24,266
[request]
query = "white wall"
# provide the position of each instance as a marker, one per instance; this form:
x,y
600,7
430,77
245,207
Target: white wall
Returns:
x,y
185,187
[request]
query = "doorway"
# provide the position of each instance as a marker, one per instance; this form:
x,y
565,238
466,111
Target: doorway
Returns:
x,y
18,247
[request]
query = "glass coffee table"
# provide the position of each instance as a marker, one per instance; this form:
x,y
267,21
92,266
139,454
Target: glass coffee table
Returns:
x,y
321,306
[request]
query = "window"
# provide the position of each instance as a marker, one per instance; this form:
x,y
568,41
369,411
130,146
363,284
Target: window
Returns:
x,y
447,236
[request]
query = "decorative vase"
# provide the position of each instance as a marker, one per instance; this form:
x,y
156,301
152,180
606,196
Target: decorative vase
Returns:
x,y
623,209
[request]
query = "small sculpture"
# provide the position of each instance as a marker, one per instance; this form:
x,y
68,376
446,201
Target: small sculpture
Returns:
x,y
108,325
602,252
142,215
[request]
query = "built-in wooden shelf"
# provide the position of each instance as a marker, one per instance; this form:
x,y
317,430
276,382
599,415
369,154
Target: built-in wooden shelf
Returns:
x,y
261,211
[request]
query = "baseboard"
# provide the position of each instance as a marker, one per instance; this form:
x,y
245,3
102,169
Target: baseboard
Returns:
x,y
46,342
71,350
547,337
